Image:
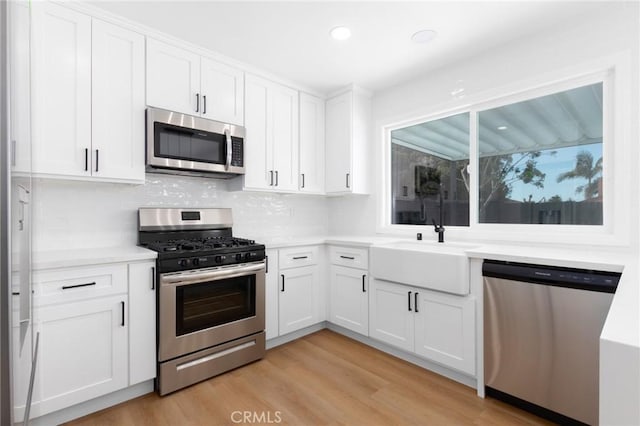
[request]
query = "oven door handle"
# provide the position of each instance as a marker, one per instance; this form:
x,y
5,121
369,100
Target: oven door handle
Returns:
x,y
202,276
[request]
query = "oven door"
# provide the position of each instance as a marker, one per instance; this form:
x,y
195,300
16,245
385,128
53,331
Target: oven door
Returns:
x,y
207,307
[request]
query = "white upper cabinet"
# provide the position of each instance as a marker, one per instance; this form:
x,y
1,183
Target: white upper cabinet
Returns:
x,y
182,81
271,145
61,101
348,117
117,102
87,97
312,144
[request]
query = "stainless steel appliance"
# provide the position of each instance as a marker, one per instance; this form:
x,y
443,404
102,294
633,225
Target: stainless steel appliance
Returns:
x,y
183,144
541,337
211,294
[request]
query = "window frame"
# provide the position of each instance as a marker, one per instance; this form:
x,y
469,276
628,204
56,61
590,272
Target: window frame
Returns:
x,y
616,165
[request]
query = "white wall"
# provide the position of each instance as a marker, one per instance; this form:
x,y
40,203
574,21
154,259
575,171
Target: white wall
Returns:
x,y
75,214
511,68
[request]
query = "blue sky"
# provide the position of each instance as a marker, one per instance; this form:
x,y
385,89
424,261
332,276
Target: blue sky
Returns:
x,y
553,165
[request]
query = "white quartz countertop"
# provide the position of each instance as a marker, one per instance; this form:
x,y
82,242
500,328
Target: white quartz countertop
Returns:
x,y
90,256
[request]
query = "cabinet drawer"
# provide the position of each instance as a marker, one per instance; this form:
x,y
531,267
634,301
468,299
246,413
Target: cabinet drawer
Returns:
x,y
298,256
349,256
66,285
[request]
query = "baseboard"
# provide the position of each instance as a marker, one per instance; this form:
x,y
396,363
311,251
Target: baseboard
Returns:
x,y
281,340
91,406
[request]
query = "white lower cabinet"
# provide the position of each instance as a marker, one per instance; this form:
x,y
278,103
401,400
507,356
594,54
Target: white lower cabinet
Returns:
x,y
97,334
142,322
433,325
83,352
299,293
271,294
349,288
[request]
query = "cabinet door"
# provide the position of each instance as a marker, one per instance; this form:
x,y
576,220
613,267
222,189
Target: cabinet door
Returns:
x,y
311,144
173,78
349,306
142,322
391,316
19,86
61,91
339,139
117,102
299,293
284,130
83,352
21,364
445,329
271,294
258,142
222,92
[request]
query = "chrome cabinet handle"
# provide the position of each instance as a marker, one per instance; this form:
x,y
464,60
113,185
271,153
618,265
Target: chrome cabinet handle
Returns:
x,y
204,101
86,159
409,300
97,158
197,102
282,275
364,290
415,302
122,311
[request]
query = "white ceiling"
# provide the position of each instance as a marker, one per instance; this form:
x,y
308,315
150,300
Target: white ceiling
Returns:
x,y
291,39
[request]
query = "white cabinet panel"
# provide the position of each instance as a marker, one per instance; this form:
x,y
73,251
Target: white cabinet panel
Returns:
x,y
20,364
83,352
298,256
312,144
349,306
173,78
299,298
444,329
271,121
348,142
142,322
61,104
391,319
222,91
271,295
352,257
117,102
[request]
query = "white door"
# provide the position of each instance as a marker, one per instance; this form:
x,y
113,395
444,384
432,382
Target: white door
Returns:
x,y
339,134
284,130
142,322
298,298
312,144
349,305
83,352
173,78
391,315
445,329
271,294
222,92
117,102
258,151
61,91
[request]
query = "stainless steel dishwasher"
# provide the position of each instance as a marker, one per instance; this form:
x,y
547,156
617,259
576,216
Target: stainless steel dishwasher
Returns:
x,y
542,327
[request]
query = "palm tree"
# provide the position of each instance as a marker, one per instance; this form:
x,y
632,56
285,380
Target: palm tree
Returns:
x,y
586,169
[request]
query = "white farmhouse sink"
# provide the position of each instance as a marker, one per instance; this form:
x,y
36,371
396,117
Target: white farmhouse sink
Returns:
x,y
427,264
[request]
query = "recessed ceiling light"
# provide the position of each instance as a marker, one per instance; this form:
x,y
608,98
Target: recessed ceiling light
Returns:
x,y
502,127
424,36
340,33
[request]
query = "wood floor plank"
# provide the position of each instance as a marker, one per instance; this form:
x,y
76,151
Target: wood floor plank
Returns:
x,y
321,379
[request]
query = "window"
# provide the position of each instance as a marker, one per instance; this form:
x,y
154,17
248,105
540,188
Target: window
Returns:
x,y
429,172
540,161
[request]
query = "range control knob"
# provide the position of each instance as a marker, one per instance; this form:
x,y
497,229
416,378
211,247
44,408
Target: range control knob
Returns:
x,y
238,257
219,259
247,256
183,262
195,261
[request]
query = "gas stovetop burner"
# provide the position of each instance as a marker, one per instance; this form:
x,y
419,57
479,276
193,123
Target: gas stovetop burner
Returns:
x,y
200,244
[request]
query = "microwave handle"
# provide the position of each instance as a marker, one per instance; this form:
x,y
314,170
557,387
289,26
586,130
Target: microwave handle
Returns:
x,y
229,148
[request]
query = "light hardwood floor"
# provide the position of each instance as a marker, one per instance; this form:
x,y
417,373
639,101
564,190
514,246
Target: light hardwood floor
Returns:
x,y
321,379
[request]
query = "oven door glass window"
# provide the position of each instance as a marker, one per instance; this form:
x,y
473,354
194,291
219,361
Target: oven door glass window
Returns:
x,y
181,143
209,304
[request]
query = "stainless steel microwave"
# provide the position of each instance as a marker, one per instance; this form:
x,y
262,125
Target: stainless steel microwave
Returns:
x,y
183,144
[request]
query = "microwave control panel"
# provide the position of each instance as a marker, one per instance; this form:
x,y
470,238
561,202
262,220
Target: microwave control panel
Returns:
x,y
237,152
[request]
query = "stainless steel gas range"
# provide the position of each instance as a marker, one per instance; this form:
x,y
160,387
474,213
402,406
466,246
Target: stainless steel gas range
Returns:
x,y
210,296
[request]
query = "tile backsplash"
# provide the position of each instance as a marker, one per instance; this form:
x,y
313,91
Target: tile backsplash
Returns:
x,y
79,214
